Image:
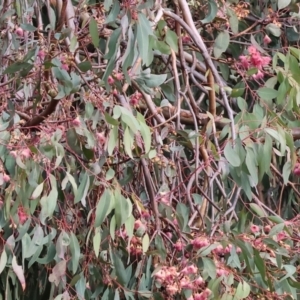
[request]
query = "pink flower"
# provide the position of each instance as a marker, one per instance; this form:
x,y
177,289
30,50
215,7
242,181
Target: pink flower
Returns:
x,y
252,50
185,283
267,39
254,228
6,177
110,80
219,250
26,153
200,242
20,32
101,138
238,250
222,272
244,61
256,60
178,245
280,236
22,215
76,122
145,214
192,269
14,154
64,67
169,234
119,76
203,296
160,276
172,289
186,39
133,100
41,54
296,169
138,224
199,281
266,60
258,75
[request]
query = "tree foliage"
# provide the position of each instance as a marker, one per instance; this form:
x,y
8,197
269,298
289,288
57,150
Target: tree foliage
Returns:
x,y
149,150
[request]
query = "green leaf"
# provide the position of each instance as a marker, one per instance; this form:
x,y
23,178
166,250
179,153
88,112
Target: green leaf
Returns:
x,y
231,155
28,27
221,43
49,202
104,207
243,290
209,268
172,40
85,66
129,226
93,29
182,216
119,269
19,272
233,21
128,141
145,243
3,260
112,141
143,30
155,80
251,165
212,12
273,29
276,229
128,118
97,241
113,13
145,132
260,264
283,3
160,246
75,252
123,209
286,171
267,93
37,191
82,189
16,67
258,210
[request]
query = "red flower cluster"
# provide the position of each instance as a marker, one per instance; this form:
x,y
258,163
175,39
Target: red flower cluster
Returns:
x,y
255,60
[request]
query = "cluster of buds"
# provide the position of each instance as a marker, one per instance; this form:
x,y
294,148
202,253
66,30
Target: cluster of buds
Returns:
x,y
175,281
254,60
135,98
19,32
116,76
24,153
22,215
140,227
135,246
66,61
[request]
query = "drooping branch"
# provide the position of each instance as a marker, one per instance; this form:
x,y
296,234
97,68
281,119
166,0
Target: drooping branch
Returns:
x,y
191,29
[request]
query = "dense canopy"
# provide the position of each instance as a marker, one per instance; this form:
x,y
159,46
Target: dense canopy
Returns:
x,y
149,150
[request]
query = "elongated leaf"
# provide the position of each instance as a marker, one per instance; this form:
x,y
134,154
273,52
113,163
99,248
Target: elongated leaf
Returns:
x,y
93,28
37,191
19,272
221,43
82,189
3,260
75,251
119,269
103,207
